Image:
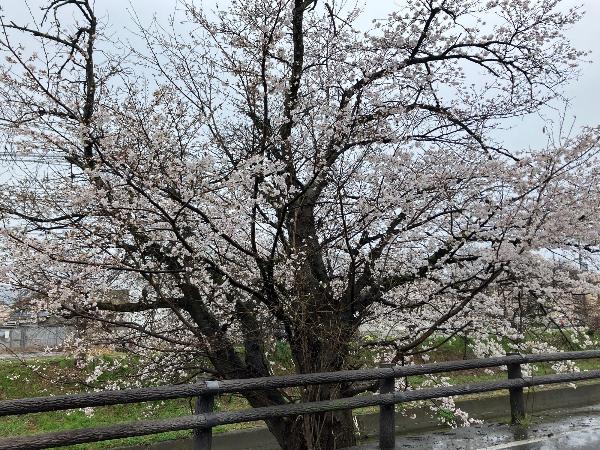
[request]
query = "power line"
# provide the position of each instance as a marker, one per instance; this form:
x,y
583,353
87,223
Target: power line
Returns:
x,y
7,156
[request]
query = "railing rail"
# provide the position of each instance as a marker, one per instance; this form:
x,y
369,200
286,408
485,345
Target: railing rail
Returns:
x,y
204,419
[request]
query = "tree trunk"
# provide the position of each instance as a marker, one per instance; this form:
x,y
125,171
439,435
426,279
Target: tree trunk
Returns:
x,y
326,431
313,352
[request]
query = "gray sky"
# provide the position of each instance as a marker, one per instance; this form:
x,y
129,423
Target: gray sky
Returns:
x,y
527,132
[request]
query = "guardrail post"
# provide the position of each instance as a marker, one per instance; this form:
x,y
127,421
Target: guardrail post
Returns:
x,y
203,436
517,401
387,420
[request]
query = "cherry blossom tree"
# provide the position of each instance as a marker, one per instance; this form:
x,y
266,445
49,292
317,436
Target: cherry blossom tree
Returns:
x,y
272,176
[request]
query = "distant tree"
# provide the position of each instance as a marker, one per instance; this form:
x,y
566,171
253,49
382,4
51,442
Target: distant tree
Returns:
x,y
277,178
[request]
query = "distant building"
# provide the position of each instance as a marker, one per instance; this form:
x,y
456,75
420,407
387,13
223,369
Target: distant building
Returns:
x,y
20,317
24,331
5,312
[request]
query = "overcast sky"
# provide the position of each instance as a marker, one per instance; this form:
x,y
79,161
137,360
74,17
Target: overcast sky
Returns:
x,y
584,94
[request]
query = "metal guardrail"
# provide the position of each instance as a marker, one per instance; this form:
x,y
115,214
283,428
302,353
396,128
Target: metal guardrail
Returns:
x,y
205,419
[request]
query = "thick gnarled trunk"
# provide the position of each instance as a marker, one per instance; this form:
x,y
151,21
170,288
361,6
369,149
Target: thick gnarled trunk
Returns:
x,y
321,347
324,431
327,431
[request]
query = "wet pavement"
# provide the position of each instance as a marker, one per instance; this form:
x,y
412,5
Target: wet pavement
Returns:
x,y
559,429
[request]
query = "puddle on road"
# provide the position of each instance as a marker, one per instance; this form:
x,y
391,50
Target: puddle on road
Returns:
x,y
552,430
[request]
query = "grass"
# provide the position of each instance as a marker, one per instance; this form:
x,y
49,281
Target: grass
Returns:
x,y
18,380
526,421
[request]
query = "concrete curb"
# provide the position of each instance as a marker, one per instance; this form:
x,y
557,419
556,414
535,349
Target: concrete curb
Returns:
x,y
486,408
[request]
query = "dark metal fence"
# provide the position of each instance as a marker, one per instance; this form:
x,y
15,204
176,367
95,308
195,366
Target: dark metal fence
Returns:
x,y
205,418
31,337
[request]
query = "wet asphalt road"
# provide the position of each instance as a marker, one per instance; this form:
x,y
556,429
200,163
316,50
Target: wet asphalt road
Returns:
x,y
553,430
